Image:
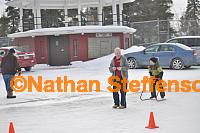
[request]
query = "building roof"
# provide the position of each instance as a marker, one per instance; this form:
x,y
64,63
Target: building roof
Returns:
x,y
60,4
73,30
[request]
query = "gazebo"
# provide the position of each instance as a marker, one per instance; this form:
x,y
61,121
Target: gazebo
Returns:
x,y
64,44
37,5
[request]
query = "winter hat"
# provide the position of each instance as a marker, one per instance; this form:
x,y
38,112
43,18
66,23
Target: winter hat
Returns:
x,y
12,51
154,59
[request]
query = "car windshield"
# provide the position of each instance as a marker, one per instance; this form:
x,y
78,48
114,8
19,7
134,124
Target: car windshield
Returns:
x,y
20,49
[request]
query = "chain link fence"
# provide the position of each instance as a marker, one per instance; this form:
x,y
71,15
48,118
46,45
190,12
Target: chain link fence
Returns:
x,y
155,31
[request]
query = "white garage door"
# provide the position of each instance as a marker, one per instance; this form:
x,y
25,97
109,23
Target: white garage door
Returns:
x,y
98,47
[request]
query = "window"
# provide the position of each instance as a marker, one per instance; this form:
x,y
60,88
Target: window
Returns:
x,y
126,43
166,48
152,49
197,42
2,53
190,41
75,48
173,41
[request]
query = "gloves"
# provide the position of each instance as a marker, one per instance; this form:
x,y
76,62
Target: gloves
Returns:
x,y
119,68
114,68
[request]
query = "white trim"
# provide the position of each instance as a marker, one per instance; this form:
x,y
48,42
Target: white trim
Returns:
x,y
21,19
121,12
73,30
114,11
59,4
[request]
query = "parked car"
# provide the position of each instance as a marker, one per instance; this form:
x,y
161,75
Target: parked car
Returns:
x,y
171,55
26,59
190,41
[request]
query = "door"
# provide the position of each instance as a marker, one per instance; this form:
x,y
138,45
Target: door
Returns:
x,y
165,54
105,47
59,50
98,47
41,50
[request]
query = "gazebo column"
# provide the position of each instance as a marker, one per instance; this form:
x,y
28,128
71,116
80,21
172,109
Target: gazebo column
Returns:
x,y
37,18
66,14
21,19
114,11
37,15
79,13
39,23
121,12
66,17
100,13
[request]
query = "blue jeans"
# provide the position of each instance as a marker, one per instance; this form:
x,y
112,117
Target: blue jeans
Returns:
x,y
116,96
7,78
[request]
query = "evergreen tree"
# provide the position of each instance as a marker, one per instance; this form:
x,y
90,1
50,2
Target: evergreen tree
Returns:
x,y
193,10
190,21
14,19
146,10
4,26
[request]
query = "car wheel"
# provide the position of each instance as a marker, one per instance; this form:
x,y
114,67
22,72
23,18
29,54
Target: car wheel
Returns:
x,y
131,63
177,64
28,69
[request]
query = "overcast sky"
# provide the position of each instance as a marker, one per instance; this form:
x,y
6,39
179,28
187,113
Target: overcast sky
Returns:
x,y
178,8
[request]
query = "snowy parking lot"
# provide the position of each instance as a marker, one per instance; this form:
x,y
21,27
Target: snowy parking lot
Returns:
x,y
92,112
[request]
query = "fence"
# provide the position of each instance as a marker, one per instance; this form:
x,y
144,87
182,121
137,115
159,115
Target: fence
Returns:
x,y
155,31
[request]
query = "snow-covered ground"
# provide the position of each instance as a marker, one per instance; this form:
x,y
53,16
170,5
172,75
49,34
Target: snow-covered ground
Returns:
x,y
92,112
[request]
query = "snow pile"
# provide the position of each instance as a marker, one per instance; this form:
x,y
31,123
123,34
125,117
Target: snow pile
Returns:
x,y
104,62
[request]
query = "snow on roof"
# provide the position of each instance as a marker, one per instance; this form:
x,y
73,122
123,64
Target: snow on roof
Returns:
x,y
73,30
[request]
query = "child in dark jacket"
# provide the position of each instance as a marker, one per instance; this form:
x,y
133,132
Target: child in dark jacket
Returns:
x,y
155,70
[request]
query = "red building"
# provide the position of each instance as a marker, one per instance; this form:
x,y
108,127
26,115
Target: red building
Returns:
x,y
60,46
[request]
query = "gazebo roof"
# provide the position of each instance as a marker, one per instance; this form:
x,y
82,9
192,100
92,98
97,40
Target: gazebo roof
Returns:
x,y
73,30
60,4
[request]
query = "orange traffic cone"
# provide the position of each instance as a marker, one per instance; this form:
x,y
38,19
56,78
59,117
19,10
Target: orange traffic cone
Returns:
x,y
152,124
11,128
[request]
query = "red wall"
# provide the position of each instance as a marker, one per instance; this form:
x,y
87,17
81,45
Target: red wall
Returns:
x,y
28,42
40,45
41,49
121,39
82,46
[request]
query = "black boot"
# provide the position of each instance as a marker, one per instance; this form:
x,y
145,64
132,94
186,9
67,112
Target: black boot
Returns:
x,y
10,97
162,95
152,97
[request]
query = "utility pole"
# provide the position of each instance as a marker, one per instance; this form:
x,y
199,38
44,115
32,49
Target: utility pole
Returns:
x,y
158,21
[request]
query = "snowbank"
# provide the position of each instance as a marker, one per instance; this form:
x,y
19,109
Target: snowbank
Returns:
x,y
104,62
